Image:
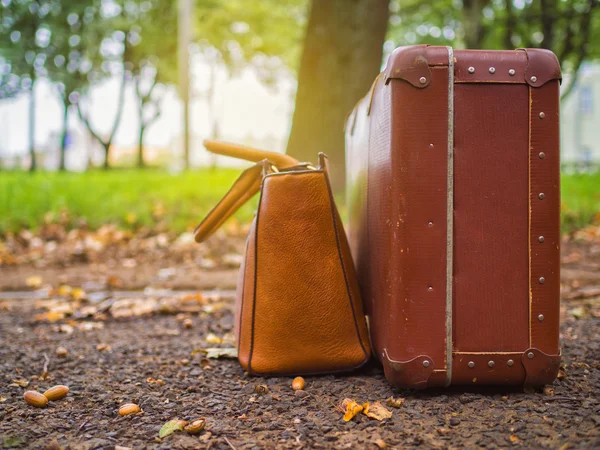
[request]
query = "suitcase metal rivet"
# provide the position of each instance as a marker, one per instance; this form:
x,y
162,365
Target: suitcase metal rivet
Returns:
x,y
533,79
492,70
541,317
471,69
430,145
542,280
510,363
542,155
491,364
530,355
471,364
542,115
430,288
430,224
422,80
511,72
541,239
426,363
541,196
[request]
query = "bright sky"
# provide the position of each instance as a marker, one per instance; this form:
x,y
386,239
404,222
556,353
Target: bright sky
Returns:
x,y
244,107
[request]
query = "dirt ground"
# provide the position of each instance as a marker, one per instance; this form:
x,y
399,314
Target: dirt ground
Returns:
x,y
130,339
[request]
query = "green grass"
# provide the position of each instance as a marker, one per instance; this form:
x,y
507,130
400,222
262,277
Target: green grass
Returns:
x,y
114,197
123,195
580,203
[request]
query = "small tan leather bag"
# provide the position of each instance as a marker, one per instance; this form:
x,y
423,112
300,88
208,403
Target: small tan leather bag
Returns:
x,y
298,309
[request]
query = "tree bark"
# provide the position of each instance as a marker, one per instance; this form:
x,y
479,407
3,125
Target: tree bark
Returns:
x,y
140,152
472,22
31,137
63,137
107,144
342,55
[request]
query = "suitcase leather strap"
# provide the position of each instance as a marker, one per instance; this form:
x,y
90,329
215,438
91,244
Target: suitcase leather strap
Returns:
x,y
245,187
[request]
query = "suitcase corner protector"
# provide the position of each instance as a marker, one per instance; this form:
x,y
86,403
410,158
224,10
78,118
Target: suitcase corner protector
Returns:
x,y
412,374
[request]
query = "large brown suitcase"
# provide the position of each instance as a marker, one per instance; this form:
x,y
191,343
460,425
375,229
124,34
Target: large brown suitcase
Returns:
x,y
453,189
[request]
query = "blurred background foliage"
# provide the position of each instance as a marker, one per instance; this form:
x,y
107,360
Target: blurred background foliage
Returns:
x,y
334,48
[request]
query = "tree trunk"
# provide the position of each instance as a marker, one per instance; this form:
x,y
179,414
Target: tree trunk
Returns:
x,y
63,138
342,56
31,137
106,146
473,22
140,152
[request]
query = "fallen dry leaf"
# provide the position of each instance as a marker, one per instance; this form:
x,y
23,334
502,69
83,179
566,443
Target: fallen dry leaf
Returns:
x,y
212,338
154,381
195,426
2,399
548,390
171,426
395,402
216,353
261,389
61,352
20,382
514,438
351,409
78,294
376,411
65,290
50,316
33,281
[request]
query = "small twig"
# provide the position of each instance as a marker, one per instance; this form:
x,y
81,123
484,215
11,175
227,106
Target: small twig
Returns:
x,y
45,368
230,444
81,426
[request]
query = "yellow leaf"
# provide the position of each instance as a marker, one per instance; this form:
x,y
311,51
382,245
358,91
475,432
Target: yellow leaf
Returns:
x,y
21,382
352,409
514,438
376,411
78,294
50,316
34,281
131,218
65,290
395,402
213,339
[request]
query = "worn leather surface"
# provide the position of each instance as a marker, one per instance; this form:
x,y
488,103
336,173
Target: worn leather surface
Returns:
x,y
300,309
398,187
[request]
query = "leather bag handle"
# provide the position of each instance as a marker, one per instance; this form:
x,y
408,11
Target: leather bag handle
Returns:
x,y
279,160
242,190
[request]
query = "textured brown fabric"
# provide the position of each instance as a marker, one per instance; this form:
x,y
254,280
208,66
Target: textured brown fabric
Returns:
x,y
474,317
299,309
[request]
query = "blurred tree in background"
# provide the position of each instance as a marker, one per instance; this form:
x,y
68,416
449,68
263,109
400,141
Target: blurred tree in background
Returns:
x,y
335,46
570,28
342,56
